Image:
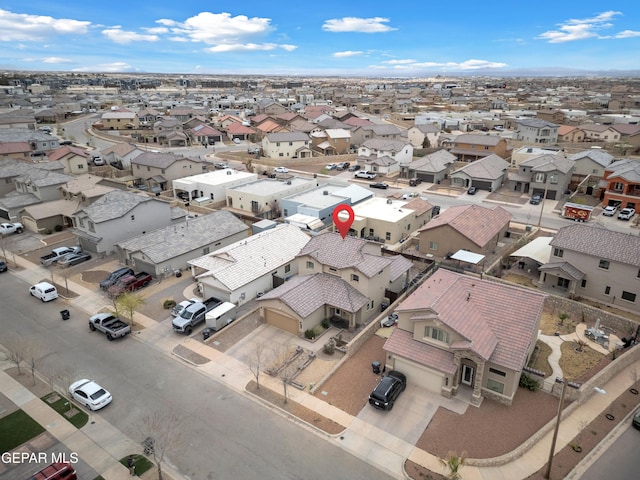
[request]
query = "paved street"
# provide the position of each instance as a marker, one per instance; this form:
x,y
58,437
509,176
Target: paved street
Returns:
x,y
228,435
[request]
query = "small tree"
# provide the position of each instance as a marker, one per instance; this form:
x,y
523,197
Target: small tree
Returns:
x,y
34,353
162,433
130,302
15,346
286,370
453,463
255,361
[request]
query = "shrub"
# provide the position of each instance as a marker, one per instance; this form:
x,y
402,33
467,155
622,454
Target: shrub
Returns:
x,y
325,323
529,383
168,304
47,231
329,348
310,334
58,228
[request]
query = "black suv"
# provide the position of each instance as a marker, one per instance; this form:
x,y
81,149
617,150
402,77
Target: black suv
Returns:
x,y
388,390
114,277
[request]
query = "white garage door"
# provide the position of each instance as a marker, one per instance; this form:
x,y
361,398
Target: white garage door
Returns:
x,y
420,376
277,319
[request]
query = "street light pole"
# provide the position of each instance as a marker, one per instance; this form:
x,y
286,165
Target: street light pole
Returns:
x,y
555,430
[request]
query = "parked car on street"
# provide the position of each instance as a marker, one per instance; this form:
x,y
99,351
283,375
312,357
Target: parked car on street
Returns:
x,y
610,210
626,213
281,170
365,174
3,266
221,165
388,390
636,419
44,291
380,185
74,259
109,324
90,394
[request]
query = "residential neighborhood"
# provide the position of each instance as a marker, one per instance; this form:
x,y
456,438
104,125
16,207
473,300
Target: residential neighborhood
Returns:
x,y
490,236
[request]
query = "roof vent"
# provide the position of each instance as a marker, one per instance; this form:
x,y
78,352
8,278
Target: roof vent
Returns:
x,y
288,182
389,201
326,192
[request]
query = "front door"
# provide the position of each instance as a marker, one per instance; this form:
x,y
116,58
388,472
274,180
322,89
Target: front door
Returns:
x,y
467,375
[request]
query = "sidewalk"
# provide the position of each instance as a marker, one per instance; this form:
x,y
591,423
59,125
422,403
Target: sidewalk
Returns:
x,y
365,441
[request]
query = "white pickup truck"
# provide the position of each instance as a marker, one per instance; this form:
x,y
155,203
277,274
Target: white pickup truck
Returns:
x,y
56,254
8,228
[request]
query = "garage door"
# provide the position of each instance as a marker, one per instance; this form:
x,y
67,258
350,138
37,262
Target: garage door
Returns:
x,y
277,319
425,177
420,376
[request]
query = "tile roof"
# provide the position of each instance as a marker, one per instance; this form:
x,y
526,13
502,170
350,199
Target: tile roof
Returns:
x,y
399,266
332,250
600,243
385,144
478,224
43,178
157,159
244,261
169,242
490,167
565,267
434,162
114,205
549,163
601,157
304,294
497,321
627,169
401,343
288,137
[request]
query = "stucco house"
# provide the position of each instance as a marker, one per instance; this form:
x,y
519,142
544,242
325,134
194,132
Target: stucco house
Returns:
x,y
332,141
432,168
621,184
168,249
158,170
594,132
468,147
464,227
241,271
119,215
341,279
596,263
546,174
287,145
384,156
590,163
535,130
119,120
421,132
488,173
74,159
460,332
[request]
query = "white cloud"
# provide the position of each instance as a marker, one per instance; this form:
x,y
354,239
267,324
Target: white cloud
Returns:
x,y
627,34
107,67
156,30
248,47
117,35
348,53
355,24
56,60
471,64
579,29
24,28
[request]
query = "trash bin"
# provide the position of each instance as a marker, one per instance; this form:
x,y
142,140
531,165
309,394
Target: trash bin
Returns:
x,y
148,446
206,333
375,365
383,306
65,314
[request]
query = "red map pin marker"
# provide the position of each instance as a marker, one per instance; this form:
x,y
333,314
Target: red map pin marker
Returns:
x,y
343,226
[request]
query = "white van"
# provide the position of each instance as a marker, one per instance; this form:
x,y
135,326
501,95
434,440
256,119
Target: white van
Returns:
x,y
221,316
44,291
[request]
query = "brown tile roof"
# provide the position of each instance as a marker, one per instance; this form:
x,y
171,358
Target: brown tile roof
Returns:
x,y
332,250
402,343
478,224
497,321
304,294
599,243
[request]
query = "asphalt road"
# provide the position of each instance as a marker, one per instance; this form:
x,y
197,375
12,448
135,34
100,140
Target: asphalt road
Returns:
x,y
620,461
227,435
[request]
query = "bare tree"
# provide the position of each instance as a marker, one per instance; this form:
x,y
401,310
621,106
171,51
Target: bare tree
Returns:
x,y
256,359
130,302
162,433
284,356
15,348
34,353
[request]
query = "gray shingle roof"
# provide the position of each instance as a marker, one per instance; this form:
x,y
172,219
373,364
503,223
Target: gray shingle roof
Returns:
x,y
169,242
549,163
628,169
601,157
489,168
114,204
600,243
332,250
304,294
497,321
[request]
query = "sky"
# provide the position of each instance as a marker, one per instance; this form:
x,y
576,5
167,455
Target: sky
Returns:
x,y
411,38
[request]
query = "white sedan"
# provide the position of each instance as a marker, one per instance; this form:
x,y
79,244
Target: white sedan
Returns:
x,y
281,170
90,394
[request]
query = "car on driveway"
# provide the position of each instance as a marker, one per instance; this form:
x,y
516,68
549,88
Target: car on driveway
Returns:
x,y
281,170
610,210
535,199
354,168
380,185
365,174
90,394
331,166
221,165
343,166
472,190
626,213
74,259
388,390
